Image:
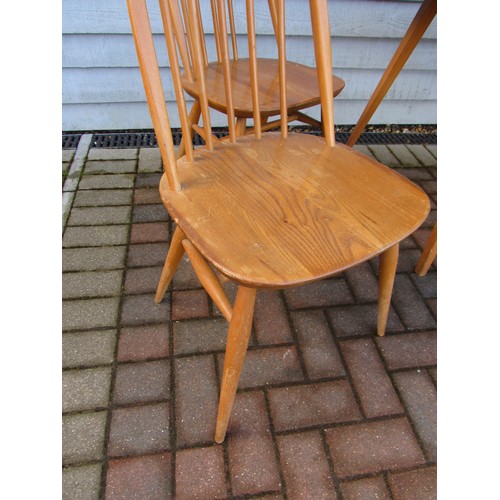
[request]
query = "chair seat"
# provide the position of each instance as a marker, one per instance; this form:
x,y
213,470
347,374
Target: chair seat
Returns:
x,y
302,87
274,213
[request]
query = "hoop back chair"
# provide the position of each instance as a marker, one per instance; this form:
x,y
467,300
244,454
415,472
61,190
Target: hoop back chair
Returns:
x,y
303,91
268,210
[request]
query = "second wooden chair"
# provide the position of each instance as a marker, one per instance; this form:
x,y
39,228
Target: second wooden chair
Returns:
x,y
302,85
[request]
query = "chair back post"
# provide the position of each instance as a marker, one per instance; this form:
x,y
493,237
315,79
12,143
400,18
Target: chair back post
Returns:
x,y
148,63
323,52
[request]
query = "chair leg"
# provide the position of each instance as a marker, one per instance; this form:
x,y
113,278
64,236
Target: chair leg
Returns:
x,y
174,256
241,126
194,118
428,254
237,342
387,272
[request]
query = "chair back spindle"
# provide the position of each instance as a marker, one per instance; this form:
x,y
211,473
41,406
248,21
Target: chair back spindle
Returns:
x,y
233,29
217,35
224,48
168,15
252,55
281,39
195,27
180,38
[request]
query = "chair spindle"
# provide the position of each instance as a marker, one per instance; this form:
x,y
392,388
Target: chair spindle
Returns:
x,y
167,14
233,29
197,36
280,12
227,68
252,54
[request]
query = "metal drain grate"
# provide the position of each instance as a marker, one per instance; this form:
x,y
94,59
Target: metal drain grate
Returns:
x,y
147,139
70,141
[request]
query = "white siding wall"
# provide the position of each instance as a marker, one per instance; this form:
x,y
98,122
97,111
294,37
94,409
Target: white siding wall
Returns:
x,y
102,88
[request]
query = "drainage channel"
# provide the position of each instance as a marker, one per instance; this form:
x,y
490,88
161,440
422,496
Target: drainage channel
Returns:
x,y
147,139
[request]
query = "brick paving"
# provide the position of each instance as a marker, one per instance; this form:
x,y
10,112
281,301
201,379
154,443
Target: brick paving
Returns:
x,y
325,409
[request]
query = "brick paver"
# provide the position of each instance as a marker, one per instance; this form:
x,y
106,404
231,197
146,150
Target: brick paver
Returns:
x,y
200,473
252,458
391,445
139,430
142,382
370,487
320,293
86,389
312,405
139,343
108,197
418,393
374,388
320,353
83,437
81,482
96,216
139,477
88,348
324,409
305,466
196,399
91,284
89,236
150,160
93,259
420,484
88,314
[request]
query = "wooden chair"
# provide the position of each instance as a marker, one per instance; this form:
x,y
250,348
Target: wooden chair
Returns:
x,y
269,210
302,91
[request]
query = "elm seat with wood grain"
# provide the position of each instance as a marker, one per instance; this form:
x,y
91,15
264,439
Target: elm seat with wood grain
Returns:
x,y
275,213
302,87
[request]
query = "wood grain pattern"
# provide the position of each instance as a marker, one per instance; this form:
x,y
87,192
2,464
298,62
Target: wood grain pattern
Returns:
x,y
274,213
302,87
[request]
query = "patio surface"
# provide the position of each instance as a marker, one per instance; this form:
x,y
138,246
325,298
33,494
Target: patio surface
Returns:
x,y
325,409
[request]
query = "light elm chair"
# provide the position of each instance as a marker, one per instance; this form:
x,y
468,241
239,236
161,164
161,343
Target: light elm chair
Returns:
x,y
268,210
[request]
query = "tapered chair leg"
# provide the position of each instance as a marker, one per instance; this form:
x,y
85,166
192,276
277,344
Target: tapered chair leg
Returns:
x,y
241,126
387,272
428,254
237,343
194,118
174,256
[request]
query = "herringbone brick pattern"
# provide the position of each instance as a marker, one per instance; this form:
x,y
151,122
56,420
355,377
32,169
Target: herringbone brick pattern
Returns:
x,y
325,409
